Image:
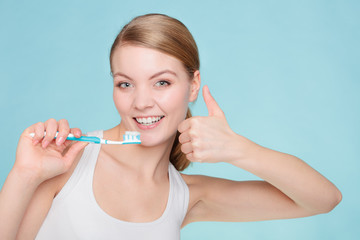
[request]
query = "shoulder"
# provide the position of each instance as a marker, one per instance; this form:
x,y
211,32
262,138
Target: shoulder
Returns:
x,y
200,187
200,180
197,185
211,197
194,179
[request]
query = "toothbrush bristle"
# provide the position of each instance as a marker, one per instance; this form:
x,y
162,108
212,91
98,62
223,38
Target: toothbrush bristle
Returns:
x,y
130,136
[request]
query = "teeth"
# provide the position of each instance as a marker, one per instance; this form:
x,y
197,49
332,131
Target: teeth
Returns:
x,y
148,120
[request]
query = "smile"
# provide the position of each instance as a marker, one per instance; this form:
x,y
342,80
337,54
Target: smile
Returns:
x,y
147,121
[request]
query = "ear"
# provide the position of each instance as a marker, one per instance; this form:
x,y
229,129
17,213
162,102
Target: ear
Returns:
x,y
195,86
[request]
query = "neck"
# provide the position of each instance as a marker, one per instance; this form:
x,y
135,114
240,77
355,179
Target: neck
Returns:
x,y
141,161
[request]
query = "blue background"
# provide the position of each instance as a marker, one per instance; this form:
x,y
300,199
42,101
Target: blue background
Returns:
x,y
286,74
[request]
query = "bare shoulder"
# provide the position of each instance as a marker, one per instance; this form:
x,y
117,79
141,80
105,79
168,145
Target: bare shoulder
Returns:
x,y
195,183
201,182
200,187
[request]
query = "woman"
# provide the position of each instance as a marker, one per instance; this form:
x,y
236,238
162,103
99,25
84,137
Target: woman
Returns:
x,y
59,189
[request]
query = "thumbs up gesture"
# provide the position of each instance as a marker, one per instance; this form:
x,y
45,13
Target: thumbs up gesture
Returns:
x,y
209,139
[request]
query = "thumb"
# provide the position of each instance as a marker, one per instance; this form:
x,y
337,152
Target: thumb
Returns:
x,y
73,151
211,104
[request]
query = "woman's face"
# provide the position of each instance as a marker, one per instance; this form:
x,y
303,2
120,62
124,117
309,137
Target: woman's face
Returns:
x,y
151,92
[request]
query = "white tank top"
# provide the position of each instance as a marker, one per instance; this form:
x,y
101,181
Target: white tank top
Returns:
x,y
75,214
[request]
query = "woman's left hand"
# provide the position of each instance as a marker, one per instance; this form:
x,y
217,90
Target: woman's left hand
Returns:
x,y
210,139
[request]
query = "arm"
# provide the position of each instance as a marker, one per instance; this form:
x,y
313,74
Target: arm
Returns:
x,y
307,188
24,204
14,199
291,187
31,181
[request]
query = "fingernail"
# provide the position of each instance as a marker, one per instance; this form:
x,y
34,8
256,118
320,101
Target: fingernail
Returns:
x,y
59,141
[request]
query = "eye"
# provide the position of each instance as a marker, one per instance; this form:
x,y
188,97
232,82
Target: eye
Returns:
x,y
124,85
162,83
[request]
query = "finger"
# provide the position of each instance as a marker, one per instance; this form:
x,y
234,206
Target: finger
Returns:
x,y
26,134
76,132
187,148
73,151
39,132
194,157
190,157
64,131
184,137
211,104
184,125
51,128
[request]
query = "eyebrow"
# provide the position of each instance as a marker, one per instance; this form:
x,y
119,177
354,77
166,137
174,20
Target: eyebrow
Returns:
x,y
153,76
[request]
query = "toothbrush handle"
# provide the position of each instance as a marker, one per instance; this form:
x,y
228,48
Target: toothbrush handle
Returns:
x,y
84,139
73,138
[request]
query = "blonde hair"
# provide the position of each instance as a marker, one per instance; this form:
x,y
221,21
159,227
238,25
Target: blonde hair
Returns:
x,y
170,36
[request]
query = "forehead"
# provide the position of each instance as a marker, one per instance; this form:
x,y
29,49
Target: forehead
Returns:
x,y
136,60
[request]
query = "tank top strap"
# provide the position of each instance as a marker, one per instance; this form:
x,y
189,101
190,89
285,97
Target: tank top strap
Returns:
x,y
92,153
181,195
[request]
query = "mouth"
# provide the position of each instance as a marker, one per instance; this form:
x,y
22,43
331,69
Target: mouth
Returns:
x,y
147,121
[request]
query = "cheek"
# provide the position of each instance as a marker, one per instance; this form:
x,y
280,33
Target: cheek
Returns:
x,y
175,102
121,102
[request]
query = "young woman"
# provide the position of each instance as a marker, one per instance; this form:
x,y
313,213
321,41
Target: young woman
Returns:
x,y
60,189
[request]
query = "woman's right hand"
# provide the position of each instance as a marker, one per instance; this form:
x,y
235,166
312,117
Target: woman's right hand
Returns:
x,y
42,158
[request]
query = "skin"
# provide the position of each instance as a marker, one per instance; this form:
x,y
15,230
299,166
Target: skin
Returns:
x,y
150,83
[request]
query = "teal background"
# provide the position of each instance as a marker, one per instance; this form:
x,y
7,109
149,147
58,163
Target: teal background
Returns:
x,y
286,74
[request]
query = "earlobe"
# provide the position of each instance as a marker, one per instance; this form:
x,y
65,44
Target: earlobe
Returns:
x,y
195,86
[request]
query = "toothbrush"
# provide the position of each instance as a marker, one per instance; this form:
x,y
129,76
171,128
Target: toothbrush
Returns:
x,y
128,138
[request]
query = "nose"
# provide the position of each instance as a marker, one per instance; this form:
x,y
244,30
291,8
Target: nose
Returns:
x,y
143,99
